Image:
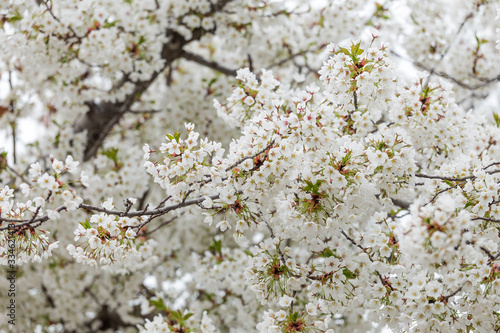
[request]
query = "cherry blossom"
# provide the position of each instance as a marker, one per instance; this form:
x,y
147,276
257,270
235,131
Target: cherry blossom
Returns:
x,y
242,165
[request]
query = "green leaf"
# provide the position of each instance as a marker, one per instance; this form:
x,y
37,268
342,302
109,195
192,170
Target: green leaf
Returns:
x,y
355,50
212,81
309,186
112,154
321,21
53,264
468,204
158,304
313,188
109,24
480,41
497,119
188,315
346,158
348,274
344,51
449,183
16,17
177,315
327,253
294,316
216,246
3,161
169,136
86,224
177,136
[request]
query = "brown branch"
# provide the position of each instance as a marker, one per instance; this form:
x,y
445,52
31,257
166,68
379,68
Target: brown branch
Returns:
x,y
158,227
295,55
210,64
400,203
111,115
48,297
155,212
445,299
454,180
439,192
420,175
432,71
382,280
487,219
49,10
102,117
488,253
232,166
282,256
143,111
18,174
491,164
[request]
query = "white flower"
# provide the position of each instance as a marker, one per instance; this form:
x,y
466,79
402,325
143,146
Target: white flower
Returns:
x,y
53,214
84,179
285,301
223,225
147,151
311,309
58,166
35,170
207,203
108,204
94,242
39,201
47,181
280,315
70,164
433,289
206,324
25,189
130,233
208,219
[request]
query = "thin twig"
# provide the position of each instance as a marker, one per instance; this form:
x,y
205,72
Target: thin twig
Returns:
x,y
235,164
159,226
485,219
210,64
156,212
420,175
486,81
18,175
382,280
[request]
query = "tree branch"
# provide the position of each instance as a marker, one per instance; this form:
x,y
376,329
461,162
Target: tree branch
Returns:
x,y
232,166
486,81
210,64
353,242
102,117
159,211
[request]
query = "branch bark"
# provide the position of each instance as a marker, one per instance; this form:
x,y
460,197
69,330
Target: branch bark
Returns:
x,y
103,116
210,64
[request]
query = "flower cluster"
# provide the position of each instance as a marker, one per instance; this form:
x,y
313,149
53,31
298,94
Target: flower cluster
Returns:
x,y
108,241
337,189
46,189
